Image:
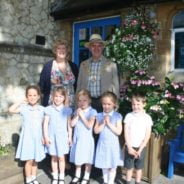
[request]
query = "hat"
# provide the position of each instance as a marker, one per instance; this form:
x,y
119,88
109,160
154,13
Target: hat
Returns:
x,y
95,38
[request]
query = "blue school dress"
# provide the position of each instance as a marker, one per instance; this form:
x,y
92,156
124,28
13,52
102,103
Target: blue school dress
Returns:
x,y
108,152
82,149
58,130
30,145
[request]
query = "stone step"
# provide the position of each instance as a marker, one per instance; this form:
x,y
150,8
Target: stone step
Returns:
x,y
10,171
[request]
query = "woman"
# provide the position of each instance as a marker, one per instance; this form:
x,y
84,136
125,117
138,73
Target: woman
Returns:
x,y
59,72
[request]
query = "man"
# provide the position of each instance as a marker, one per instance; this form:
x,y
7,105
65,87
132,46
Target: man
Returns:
x,y
98,74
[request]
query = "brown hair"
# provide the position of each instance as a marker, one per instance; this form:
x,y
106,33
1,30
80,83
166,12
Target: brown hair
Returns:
x,y
138,96
35,87
112,96
83,92
59,42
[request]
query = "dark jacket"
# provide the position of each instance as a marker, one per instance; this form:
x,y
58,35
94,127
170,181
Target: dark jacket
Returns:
x,y
45,80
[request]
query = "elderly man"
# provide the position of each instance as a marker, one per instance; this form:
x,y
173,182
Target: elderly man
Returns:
x,y
98,74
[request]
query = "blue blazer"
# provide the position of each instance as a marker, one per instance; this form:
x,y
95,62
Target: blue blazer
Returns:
x,y
45,80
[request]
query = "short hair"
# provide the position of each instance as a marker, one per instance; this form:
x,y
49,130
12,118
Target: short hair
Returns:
x,y
139,96
35,87
113,97
59,42
83,92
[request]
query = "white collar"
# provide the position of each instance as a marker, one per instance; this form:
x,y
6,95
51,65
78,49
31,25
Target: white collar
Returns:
x,y
109,114
87,109
58,108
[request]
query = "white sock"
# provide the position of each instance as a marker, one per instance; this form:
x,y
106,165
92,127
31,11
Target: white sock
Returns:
x,y
61,176
28,179
33,177
112,175
34,180
78,173
105,175
86,175
55,176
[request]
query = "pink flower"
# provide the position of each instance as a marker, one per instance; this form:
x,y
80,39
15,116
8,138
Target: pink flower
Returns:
x,y
143,26
133,82
152,77
175,85
134,22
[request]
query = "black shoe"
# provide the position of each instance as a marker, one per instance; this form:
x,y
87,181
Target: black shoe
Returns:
x,y
75,180
54,180
34,181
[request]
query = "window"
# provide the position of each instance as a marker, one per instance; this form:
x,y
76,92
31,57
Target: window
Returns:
x,y
177,42
82,31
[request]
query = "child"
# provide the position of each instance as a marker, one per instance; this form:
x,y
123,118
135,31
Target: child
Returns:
x,y
82,150
109,125
137,133
57,133
30,148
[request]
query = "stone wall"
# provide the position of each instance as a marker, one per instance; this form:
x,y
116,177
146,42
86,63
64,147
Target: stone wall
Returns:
x,y
21,54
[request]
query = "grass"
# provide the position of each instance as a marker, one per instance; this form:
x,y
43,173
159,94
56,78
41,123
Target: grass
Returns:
x,y
5,150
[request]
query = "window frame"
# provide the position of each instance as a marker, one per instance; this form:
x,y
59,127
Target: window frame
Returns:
x,y
174,31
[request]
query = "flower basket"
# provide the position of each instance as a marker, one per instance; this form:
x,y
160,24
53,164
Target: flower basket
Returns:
x,y
132,45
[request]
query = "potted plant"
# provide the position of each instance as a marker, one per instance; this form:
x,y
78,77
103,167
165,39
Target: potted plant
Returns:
x,y
165,104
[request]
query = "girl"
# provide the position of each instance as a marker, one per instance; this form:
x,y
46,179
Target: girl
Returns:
x,y
30,147
82,150
57,133
109,125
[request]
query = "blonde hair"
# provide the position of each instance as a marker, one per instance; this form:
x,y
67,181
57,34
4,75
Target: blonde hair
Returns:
x,y
112,96
60,90
83,92
59,42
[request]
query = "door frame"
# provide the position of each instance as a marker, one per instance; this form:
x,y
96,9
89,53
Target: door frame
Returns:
x,y
89,24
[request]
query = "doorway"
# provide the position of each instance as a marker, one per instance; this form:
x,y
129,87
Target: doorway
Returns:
x,y
82,31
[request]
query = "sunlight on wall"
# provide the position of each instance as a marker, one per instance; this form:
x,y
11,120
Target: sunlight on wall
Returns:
x,y
10,94
1,34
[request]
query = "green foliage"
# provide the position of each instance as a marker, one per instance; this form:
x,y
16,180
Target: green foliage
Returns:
x,y
132,44
5,150
165,105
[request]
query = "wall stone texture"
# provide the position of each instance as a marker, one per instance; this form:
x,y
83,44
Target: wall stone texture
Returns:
x,y
21,59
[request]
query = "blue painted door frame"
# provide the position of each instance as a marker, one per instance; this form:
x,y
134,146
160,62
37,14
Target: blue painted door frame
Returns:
x,y
89,27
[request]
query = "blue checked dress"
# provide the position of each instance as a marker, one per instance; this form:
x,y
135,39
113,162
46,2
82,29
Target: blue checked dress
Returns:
x,y
108,152
30,145
58,132
82,149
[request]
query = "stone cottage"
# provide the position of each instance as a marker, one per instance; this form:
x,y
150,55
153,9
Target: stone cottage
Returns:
x,y
27,29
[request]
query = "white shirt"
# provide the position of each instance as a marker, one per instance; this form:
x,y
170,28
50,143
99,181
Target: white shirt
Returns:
x,y
137,124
